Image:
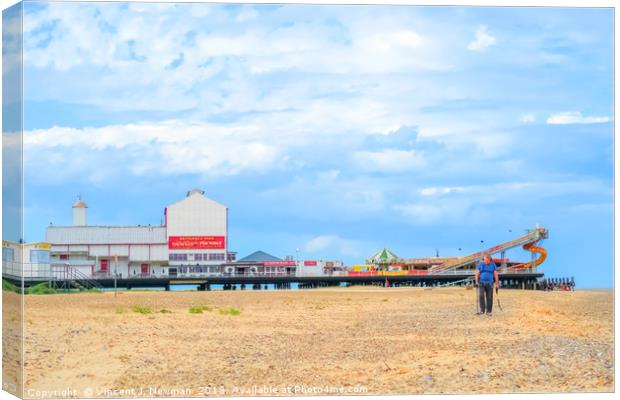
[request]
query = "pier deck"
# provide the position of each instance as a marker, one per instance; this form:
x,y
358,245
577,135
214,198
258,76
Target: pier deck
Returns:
x,y
516,278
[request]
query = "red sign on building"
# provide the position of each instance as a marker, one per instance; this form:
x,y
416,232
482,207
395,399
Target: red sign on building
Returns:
x,y
196,242
309,263
279,263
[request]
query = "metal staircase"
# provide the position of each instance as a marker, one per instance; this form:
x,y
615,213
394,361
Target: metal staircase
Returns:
x,y
71,277
82,282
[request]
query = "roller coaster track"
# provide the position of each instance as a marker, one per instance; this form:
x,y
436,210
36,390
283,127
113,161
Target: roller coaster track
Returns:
x,y
528,242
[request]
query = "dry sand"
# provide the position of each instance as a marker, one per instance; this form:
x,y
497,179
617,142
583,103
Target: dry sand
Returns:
x,y
358,340
11,342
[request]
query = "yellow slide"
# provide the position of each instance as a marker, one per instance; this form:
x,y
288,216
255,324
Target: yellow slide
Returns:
x,y
534,249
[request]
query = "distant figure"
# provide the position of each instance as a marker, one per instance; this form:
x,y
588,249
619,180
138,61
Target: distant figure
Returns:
x,y
572,284
486,273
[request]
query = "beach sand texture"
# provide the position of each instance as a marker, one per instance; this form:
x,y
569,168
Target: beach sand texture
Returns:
x,y
12,342
364,340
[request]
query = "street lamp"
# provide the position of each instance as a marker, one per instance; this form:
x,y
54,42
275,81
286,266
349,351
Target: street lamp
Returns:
x,y
115,273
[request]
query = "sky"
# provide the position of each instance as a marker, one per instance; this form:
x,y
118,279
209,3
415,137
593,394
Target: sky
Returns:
x,y
329,131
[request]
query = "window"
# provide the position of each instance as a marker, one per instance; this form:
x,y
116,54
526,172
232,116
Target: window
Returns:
x,y
39,256
177,257
197,257
8,254
217,256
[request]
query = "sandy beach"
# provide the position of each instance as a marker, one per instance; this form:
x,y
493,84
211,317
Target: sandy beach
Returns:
x,y
359,340
11,342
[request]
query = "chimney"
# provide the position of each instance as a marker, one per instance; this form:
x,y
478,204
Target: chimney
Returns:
x,y
79,212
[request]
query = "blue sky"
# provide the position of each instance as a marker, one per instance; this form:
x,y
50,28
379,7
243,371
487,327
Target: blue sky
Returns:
x,y
334,130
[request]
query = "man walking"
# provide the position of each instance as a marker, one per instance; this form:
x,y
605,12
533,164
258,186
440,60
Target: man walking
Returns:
x,y
486,273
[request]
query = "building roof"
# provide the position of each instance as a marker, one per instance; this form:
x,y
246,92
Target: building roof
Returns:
x,y
79,204
384,256
193,195
259,256
57,235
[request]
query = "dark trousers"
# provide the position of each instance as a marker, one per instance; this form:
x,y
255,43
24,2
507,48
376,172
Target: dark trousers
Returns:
x,y
485,297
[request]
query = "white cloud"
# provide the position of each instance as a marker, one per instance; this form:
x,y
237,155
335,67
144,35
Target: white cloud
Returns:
x,y
12,141
386,41
437,191
330,244
389,160
131,67
528,118
574,117
317,83
429,213
483,40
11,42
247,13
169,147
448,205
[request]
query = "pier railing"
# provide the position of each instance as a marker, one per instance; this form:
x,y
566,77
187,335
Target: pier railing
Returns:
x,y
26,271
66,274
61,272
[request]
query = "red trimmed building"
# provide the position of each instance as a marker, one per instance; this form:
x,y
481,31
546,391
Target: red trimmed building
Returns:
x,y
193,241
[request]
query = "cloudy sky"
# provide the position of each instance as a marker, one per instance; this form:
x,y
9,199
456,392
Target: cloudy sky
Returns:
x,y
334,130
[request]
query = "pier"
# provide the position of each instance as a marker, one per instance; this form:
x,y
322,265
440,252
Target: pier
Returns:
x,y
516,280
